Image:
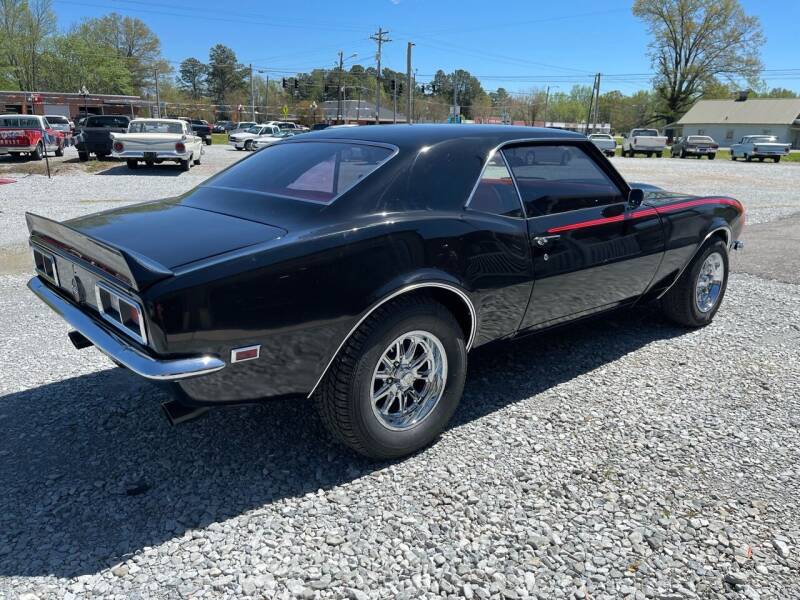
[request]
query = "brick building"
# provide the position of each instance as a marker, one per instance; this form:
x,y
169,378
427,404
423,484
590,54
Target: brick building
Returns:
x,y
72,105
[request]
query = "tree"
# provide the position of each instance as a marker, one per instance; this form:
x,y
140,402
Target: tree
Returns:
x,y
132,40
225,74
24,30
694,41
72,62
192,78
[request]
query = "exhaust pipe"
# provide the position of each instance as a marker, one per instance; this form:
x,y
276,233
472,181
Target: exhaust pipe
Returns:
x,y
79,340
177,413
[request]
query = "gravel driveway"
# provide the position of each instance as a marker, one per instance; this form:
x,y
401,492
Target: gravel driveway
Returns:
x,y
625,458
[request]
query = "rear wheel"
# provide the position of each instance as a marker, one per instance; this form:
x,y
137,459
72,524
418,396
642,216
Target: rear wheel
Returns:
x,y
83,156
695,298
776,159
397,381
186,165
60,150
748,158
208,141
38,153
683,153
712,156
132,164
197,161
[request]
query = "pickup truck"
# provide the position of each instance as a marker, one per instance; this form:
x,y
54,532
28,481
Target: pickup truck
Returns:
x,y
201,128
154,141
604,142
29,134
643,141
760,147
94,135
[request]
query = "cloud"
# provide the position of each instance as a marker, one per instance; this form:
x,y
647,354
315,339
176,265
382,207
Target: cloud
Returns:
x,y
395,2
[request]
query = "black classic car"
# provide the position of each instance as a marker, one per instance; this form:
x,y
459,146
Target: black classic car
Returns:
x,y
695,145
359,267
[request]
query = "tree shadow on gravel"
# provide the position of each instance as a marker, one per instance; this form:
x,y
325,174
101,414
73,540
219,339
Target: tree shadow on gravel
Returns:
x,y
91,473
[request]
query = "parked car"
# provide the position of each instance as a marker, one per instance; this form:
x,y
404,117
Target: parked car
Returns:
x,y
31,135
154,141
242,127
423,255
319,126
605,142
695,145
760,147
94,136
201,128
223,126
263,141
60,123
643,141
243,140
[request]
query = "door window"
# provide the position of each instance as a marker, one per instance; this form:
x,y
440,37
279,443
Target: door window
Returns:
x,y
495,193
556,179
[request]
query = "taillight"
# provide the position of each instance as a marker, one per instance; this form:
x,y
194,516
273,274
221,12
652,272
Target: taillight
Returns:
x,y
25,140
122,312
180,147
119,146
45,265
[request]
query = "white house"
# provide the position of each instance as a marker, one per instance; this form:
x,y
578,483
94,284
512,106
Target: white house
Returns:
x,y
728,120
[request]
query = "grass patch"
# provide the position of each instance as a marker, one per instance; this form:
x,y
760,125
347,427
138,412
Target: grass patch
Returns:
x,y
219,138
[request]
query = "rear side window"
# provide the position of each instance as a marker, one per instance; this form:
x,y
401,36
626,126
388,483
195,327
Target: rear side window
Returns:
x,y
313,171
556,179
495,192
26,122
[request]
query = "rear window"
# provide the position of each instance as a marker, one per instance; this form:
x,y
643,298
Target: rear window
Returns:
x,y
312,171
155,127
107,121
57,120
700,139
17,121
645,132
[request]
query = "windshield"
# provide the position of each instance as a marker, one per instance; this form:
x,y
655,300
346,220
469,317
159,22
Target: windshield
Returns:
x,y
312,171
155,127
600,136
645,132
56,120
255,129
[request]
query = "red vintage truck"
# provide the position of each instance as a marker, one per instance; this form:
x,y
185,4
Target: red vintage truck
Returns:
x,y
29,134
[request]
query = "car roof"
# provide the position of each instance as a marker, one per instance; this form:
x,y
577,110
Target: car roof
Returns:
x,y
179,121
410,136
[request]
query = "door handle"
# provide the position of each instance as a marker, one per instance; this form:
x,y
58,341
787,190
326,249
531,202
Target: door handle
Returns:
x,y
543,240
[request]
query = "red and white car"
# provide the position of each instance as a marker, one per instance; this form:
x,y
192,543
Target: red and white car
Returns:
x,y
29,134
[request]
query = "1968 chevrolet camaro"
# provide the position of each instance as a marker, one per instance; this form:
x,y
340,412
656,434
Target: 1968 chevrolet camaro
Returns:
x,y
359,266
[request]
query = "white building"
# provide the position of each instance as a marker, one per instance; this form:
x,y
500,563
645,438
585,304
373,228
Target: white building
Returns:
x,y
728,120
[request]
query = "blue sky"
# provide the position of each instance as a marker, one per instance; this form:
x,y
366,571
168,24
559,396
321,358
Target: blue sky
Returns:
x,y
516,44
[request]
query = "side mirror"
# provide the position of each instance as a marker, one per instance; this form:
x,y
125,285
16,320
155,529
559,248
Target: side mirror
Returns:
x,y
635,197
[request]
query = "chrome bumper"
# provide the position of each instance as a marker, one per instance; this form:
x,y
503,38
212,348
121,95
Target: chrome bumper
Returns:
x,y
119,350
160,154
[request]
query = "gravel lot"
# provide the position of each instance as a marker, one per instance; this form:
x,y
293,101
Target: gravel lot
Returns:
x,y
626,458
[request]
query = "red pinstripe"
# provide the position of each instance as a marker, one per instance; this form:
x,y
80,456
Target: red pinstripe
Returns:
x,y
640,213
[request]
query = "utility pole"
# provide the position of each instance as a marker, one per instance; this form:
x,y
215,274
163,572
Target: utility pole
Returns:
x,y
158,98
358,106
595,89
266,100
394,96
252,96
339,95
409,84
380,40
596,105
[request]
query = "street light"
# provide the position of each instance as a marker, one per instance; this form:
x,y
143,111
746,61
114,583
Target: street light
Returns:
x,y
84,92
341,90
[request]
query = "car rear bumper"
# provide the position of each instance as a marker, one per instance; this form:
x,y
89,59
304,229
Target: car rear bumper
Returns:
x,y
118,349
158,155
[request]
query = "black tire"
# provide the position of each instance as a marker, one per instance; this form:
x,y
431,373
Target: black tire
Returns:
x,y
150,164
761,159
207,141
186,165
659,154
683,153
776,159
83,156
679,303
132,163
239,149
38,153
344,398
248,145
649,155
60,151
197,162
748,158
712,156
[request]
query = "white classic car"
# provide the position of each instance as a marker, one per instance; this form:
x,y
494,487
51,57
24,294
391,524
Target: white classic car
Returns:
x,y
154,141
263,141
243,140
604,142
760,147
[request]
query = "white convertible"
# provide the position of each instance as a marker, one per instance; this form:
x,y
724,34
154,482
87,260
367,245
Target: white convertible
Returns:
x,y
155,141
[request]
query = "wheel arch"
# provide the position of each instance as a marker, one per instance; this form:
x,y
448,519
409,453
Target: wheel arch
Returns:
x,y
450,295
718,229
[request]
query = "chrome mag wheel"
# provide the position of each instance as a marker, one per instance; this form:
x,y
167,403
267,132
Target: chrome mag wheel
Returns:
x,y
409,380
709,282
